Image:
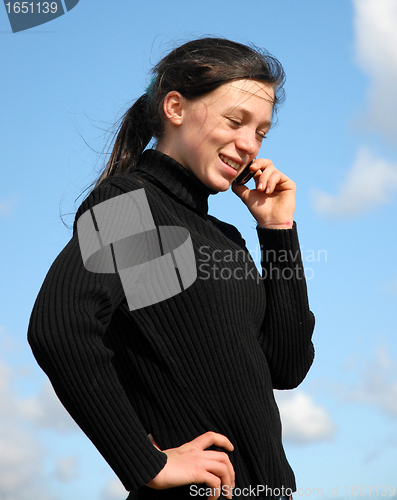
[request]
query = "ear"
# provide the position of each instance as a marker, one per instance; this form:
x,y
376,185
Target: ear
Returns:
x,y
173,107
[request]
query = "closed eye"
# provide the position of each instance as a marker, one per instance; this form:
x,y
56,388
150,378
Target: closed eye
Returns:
x,y
234,123
261,135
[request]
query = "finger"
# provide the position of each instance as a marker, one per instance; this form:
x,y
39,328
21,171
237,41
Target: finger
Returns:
x,y
262,180
154,442
239,190
223,461
215,484
279,182
224,490
211,438
257,179
258,173
272,181
262,163
256,165
217,487
221,470
223,458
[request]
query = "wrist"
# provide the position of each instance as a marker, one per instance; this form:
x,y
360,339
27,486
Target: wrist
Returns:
x,y
282,225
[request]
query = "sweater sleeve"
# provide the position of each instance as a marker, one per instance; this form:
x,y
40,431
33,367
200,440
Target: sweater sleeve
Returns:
x,y
288,324
70,316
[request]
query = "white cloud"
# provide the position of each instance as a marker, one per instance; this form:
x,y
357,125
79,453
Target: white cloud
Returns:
x,y
46,411
66,469
21,456
21,466
379,383
23,473
375,24
114,490
34,463
303,421
371,182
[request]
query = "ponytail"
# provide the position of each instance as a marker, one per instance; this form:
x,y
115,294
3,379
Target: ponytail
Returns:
x,y
132,138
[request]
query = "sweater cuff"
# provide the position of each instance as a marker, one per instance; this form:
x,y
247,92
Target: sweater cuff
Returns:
x,y
280,253
278,238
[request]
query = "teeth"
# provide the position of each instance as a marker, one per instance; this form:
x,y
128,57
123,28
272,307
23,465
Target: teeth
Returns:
x,y
233,164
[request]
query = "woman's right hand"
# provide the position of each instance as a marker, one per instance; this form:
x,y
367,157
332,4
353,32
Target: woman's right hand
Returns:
x,y
193,463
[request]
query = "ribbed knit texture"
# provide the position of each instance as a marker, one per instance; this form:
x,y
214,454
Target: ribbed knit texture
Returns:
x,y
206,359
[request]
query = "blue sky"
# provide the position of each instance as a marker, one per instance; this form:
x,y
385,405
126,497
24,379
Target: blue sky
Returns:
x,y
66,82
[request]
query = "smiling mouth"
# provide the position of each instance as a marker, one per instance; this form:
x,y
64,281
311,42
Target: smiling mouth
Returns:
x,y
229,162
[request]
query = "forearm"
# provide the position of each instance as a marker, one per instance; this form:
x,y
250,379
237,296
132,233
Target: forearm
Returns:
x,y
288,325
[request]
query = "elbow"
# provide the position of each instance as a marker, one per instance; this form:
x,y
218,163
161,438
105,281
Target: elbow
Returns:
x,y
41,342
38,345
291,378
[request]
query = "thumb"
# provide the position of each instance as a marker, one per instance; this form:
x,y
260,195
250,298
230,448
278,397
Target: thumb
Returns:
x,y
153,441
240,191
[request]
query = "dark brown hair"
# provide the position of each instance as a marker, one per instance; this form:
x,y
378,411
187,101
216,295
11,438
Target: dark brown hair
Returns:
x,y
193,69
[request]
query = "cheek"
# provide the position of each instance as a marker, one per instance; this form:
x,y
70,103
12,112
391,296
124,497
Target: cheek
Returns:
x,y
203,135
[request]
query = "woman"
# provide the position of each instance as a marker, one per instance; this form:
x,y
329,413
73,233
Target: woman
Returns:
x,y
177,392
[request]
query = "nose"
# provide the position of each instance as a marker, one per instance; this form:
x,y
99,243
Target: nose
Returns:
x,y
247,141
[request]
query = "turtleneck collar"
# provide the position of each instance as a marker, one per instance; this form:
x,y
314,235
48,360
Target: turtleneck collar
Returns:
x,y
164,171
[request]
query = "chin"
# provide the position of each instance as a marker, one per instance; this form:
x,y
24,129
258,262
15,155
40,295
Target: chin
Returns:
x,y
224,188
219,184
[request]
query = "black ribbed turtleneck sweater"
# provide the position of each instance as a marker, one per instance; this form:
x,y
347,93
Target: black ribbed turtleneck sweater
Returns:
x,y
206,359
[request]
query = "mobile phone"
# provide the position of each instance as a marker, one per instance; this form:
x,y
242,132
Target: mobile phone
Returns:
x,y
245,175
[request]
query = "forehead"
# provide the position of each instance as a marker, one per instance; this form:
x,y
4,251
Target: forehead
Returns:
x,y
243,90
246,94
253,88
